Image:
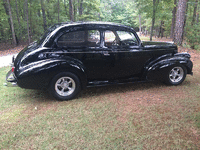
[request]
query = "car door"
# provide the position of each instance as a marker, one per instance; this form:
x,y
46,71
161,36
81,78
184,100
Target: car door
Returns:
x,y
86,46
128,56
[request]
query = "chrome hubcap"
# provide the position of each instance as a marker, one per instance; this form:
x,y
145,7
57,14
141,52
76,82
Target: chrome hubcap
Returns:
x,y
65,86
176,74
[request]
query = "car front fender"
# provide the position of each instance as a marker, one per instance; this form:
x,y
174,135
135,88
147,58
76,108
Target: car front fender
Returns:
x,y
157,67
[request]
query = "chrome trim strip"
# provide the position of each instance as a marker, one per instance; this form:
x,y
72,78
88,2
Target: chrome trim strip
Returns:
x,y
93,52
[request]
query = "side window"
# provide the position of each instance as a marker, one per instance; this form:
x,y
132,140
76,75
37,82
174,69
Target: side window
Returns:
x,y
76,38
93,38
127,38
110,39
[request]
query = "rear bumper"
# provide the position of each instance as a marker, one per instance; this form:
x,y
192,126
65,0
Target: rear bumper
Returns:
x,y
11,79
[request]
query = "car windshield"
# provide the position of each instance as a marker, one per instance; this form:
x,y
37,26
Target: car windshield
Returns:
x,y
126,35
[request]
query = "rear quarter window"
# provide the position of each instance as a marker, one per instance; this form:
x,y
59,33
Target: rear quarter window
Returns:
x,y
76,38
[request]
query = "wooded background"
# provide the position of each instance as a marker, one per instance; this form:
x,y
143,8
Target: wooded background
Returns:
x,y
26,20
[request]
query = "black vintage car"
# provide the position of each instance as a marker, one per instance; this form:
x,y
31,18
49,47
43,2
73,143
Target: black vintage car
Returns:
x,y
72,56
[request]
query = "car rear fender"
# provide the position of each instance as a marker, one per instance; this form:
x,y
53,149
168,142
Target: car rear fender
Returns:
x,y
51,67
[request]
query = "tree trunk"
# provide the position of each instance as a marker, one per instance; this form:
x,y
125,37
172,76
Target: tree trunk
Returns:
x,y
2,33
27,20
24,8
185,21
30,19
162,29
75,10
43,15
7,13
58,11
20,9
11,22
180,19
17,12
194,13
49,15
65,6
38,13
156,32
173,20
81,8
153,19
140,28
71,10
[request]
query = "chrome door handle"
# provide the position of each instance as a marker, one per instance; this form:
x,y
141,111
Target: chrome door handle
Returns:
x,y
106,54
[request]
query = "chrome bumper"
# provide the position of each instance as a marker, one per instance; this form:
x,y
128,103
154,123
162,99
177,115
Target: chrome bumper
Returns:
x,y
11,80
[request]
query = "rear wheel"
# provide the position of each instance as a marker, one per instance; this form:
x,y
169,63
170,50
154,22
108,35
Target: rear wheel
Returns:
x,y
65,86
175,75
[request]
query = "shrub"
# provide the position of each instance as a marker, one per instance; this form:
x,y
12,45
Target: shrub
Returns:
x,y
193,36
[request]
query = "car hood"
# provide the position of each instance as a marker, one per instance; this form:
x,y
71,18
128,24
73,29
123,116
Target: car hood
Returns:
x,y
151,44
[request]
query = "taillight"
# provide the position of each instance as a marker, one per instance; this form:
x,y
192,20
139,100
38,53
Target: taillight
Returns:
x,y
13,69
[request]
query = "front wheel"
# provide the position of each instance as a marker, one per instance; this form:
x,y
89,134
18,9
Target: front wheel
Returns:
x,y
65,86
175,75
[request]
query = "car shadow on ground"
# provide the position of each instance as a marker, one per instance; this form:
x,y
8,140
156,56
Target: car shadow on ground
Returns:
x,y
124,88
43,96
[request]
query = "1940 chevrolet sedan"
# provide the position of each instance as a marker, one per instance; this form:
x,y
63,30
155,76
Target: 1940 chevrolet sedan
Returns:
x,y
72,56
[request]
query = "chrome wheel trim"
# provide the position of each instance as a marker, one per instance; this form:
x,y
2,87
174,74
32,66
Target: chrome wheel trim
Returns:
x,y
176,74
65,86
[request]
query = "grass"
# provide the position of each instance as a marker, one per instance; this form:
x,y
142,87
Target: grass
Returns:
x,y
138,116
197,118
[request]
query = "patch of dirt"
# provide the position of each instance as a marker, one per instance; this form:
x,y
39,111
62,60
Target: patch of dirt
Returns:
x,y
133,98
10,50
42,103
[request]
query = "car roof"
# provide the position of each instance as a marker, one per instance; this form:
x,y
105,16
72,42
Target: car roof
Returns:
x,y
96,24
73,26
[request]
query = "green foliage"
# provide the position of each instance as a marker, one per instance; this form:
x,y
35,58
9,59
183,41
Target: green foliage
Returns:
x,y
163,10
91,10
192,28
193,36
120,11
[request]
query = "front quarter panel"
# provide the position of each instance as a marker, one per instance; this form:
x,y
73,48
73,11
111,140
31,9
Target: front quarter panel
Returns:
x,y
155,69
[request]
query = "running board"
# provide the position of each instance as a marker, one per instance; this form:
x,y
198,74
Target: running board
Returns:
x,y
112,82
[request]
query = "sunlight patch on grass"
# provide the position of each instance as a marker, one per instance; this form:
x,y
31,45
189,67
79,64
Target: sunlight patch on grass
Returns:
x,y
12,114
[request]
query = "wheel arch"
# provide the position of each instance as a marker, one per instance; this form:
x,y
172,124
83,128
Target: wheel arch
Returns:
x,y
156,69
43,72
75,69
